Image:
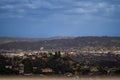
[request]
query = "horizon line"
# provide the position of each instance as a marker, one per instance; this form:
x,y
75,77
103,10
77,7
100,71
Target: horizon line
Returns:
x,y
59,36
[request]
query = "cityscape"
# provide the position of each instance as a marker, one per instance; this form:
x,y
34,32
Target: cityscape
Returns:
x,y
69,61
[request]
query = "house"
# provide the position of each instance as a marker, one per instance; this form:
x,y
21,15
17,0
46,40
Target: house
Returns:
x,y
47,70
21,68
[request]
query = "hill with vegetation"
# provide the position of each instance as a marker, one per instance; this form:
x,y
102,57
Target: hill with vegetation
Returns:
x,y
60,43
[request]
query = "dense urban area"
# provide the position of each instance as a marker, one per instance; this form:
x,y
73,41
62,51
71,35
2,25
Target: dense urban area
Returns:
x,y
69,56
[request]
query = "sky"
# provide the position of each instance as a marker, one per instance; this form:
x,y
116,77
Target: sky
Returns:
x,y
48,18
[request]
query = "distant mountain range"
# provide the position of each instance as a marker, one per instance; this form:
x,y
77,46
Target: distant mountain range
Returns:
x,y
8,43
15,39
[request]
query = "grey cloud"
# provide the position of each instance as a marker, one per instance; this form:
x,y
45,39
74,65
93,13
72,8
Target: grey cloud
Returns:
x,y
47,7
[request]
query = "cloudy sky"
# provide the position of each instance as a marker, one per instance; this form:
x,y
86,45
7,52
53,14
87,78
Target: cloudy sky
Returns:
x,y
46,18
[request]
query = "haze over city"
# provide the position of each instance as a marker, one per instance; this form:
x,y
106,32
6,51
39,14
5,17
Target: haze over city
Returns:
x,y
47,18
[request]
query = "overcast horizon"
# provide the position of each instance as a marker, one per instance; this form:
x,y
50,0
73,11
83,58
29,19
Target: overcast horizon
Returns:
x,y
49,18
52,37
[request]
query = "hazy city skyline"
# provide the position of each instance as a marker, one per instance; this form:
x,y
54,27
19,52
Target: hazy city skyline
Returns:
x,y
47,18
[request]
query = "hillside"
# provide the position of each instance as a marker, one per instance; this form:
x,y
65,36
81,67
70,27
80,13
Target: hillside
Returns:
x,y
60,43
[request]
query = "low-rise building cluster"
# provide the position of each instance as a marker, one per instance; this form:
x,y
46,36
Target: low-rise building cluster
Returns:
x,y
71,61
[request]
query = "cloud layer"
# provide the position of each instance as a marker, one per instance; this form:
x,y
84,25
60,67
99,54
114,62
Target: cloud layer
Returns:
x,y
59,17
22,8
